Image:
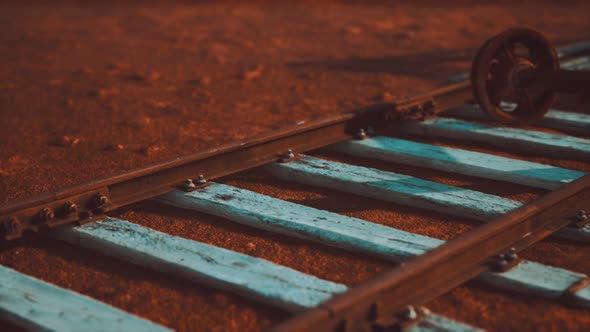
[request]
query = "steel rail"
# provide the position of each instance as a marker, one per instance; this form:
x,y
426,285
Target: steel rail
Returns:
x,y
379,302
80,203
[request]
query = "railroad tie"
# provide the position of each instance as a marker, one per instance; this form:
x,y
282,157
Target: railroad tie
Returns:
x,y
567,122
515,139
405,190
220,268
40,306
459,161
357,235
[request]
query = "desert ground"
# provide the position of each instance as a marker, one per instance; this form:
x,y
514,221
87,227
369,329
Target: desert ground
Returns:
x,y
89,89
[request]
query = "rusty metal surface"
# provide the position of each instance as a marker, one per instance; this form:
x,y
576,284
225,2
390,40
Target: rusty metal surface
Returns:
x,y
498,75
521,66
442,269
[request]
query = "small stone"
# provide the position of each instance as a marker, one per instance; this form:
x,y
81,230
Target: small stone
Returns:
x,y
353,30
205,80
151,150
220,59
101,93
202,81
154,76
68,102
278,42
385,97
251,245
139,122
115,147
56,82
253,72
159,104
67,141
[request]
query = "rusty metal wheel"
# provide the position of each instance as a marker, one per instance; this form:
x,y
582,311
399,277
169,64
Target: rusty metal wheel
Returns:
x,y
499,69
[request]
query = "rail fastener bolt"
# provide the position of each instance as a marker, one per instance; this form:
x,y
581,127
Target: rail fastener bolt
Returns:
x,y
10,226
361,134
202,180
289,154
70,208
101,200
409,313
582,216
511,254
46,214
188,185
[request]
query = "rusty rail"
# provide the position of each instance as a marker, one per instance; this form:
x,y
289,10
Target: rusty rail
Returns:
x,y
377,305
82,202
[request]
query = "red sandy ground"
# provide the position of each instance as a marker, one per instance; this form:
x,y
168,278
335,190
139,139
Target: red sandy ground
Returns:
x,y
88,90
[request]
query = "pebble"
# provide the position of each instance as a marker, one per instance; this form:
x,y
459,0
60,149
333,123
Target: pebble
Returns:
x,y
102,93
67,141
151,150
159,104
115,147
385,97
203,81
139,122
384,25
353,30
253,73
68,102
154,76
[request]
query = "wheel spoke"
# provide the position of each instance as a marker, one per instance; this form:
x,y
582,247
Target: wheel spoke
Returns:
x,y
497,91
507,53
526,100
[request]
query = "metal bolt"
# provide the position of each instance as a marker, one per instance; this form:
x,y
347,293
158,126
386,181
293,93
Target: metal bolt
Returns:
x,y
188,185
101,200
501,262
289,154
71,208
11,225
511,255
582,215
360,134
46,214
410,313
201,179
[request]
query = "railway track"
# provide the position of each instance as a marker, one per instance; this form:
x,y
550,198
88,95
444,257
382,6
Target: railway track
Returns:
x,y
392,300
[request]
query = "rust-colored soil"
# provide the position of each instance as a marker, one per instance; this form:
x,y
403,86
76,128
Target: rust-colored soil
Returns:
x,y
91,89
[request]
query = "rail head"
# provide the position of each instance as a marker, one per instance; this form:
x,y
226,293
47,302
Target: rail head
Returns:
x,y
381,301
81,203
